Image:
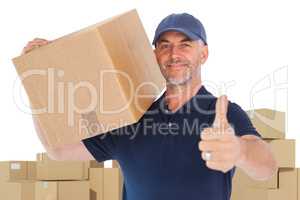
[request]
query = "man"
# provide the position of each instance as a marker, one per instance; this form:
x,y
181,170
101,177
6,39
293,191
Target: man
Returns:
x,y
187,145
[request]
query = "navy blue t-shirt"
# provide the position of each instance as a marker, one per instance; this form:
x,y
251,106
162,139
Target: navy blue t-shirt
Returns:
x,y
159,155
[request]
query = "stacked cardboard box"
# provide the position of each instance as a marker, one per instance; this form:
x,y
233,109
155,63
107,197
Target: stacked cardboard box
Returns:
x,y
16,180
46,179
13,170
17,190
62,190
106,183
47,169
62,180
286,182
58,178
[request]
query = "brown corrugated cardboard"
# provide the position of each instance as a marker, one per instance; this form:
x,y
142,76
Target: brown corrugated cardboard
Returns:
x,y
284,152
115,164
269,123
288,183
89,164
298,172
21,190
62,190
31,170
13,170
75,190
57,170
92,164
256,194
42,156
287,188
48,169
45,190
96,183
92,81
112,184
241,178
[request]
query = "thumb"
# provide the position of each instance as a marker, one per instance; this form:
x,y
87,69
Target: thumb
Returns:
x,y
221,113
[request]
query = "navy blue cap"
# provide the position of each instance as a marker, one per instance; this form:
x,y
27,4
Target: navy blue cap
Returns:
x,y
183,23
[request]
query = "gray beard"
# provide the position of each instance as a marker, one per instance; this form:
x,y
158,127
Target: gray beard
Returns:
x,y
179,82
183,81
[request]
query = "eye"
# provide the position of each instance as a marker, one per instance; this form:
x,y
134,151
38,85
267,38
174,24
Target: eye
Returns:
x,y
185,44
163,46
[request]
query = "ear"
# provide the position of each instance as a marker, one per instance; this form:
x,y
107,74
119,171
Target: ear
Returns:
x,y
203,54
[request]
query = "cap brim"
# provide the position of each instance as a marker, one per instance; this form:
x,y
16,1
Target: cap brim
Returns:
x,y
189,34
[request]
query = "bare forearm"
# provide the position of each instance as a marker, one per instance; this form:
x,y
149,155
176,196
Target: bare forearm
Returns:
x,y
70,152
256,159
73,152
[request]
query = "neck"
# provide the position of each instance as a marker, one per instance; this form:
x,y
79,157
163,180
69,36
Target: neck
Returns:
x,y
177,95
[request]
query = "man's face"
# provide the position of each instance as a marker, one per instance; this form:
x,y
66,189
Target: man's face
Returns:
x,y
179,58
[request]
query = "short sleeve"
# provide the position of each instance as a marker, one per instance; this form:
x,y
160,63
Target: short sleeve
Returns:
x,y
103,146
240,121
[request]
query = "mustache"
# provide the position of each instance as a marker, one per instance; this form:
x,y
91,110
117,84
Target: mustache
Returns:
x,y
176,61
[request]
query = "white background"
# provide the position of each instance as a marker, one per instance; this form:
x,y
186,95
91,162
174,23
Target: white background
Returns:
x,y
253,46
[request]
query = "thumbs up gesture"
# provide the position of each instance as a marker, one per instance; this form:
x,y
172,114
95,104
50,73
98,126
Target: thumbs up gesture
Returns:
x,y
219,146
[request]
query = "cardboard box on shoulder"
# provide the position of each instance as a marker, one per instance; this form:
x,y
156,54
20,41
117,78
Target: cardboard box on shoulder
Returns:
x,y
92,81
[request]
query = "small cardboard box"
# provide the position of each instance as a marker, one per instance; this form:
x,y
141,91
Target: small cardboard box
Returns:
x,y
48,169
96,183
19,190
269,123
241,178
92,81
288,185
62,190
284,152
60,170
13,170
113,183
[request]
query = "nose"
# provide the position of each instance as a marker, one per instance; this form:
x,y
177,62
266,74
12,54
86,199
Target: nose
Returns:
x,y
174,52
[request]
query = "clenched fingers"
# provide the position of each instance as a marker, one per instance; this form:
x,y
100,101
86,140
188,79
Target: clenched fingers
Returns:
x,y
37,42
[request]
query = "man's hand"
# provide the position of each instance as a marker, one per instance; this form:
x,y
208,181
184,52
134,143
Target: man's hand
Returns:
x,y
37,42
220,148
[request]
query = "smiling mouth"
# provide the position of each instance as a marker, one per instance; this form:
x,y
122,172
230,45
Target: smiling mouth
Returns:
x,y
176,66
